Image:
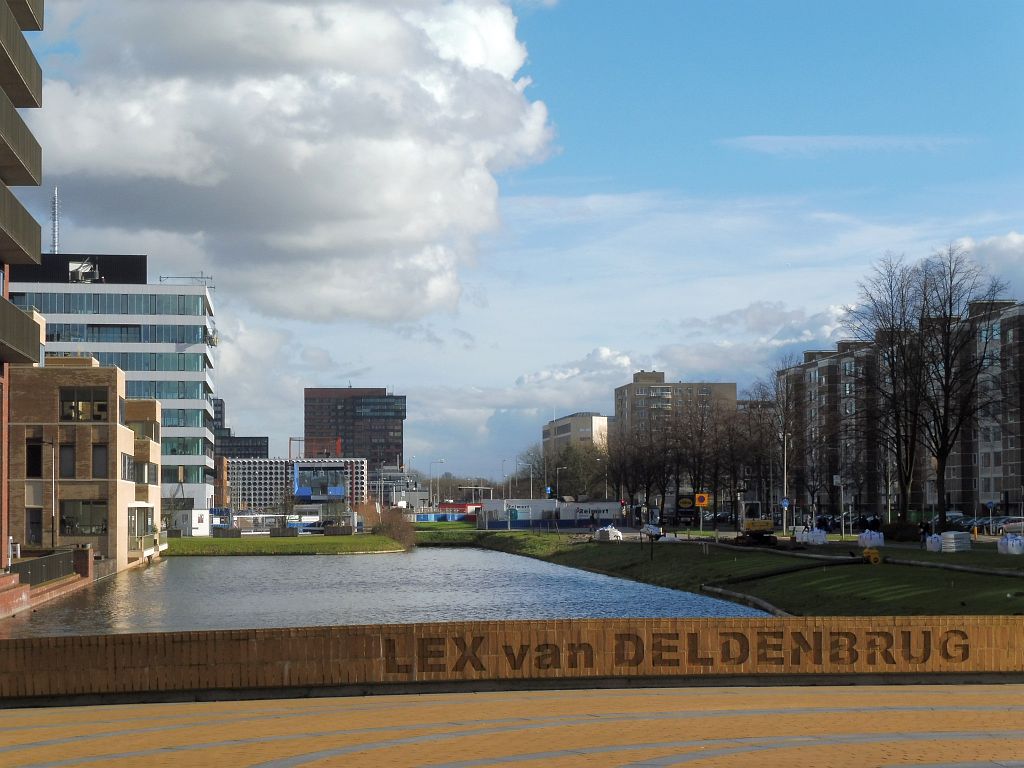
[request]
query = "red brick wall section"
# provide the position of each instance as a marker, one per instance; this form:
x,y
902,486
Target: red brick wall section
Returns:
x,y
14,596
474,651
83,562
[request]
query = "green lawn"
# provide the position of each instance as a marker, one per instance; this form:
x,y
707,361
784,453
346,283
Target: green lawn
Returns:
x,y
264,545
815,588
878,590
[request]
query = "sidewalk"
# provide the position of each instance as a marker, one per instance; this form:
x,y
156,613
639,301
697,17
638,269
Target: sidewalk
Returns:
x,y
979,726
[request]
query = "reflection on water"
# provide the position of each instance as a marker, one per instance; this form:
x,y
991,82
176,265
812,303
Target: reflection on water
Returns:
x,y
192,593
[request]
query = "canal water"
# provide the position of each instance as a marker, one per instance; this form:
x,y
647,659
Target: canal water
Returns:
x,y
425,585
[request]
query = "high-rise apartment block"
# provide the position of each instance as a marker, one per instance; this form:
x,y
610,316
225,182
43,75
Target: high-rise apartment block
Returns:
x,y
349,422
838,451
161,336
21,86
649,400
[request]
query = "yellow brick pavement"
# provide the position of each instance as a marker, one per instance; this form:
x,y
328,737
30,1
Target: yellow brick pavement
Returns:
x,y
968,726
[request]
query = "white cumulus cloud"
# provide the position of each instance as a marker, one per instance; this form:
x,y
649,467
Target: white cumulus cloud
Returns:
x,y
336,158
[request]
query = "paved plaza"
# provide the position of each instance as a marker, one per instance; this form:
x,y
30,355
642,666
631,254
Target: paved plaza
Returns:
x,y
968,726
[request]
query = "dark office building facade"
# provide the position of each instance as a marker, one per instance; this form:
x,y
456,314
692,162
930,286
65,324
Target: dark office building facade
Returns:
x,y
232,446
355,422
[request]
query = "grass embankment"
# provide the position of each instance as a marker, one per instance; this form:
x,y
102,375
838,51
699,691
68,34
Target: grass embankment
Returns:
x,y
299,545
798,586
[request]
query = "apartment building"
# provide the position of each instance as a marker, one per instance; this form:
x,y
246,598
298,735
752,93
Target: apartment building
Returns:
x,y
161,335
838,451
84,461
649,400
584,429
832,444
21,86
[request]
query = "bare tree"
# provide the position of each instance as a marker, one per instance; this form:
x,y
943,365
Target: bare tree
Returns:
x,y
888,315
957,335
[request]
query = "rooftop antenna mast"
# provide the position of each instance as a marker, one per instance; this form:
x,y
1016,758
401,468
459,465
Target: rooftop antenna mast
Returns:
x,y
55,220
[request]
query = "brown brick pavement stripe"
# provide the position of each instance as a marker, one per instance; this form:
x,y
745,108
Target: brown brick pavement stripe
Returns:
x,y
612,727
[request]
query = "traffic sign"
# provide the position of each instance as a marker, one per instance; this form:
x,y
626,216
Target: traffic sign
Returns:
x,y
991,505
785,503
702,499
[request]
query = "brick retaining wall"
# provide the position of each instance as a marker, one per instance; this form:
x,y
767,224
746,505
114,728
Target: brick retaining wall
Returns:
x,y
324,657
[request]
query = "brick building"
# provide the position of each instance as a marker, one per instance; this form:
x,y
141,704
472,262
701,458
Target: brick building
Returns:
x,y
360,422
20,165
84,461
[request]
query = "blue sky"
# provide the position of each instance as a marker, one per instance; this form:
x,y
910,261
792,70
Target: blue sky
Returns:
x,y
503,209
655,95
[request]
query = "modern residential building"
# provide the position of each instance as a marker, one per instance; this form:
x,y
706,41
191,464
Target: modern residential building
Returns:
x,y
229,445
832,447
649,400
584,429
21,86
364,423
838,454
161,335
84,462
264,485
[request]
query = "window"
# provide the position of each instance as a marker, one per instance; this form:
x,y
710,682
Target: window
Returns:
x,y
83,404
128,471
67,461
99,460
83,518
33,459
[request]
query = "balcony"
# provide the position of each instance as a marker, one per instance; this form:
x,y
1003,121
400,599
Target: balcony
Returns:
x,y
19,233
20,156
28,13
142,546
19,335
20,74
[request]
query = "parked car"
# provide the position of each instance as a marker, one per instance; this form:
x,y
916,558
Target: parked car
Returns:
x,y
964,523
992,524
1011,525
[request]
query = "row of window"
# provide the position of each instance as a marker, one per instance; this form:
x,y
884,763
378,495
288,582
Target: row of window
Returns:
x,y
183,474
153,361
110,303
186,446
130,334
186,417
168,390
99,469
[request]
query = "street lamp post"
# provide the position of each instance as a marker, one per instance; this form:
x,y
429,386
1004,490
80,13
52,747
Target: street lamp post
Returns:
x,y
509,480
785,478
53,491
430,480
